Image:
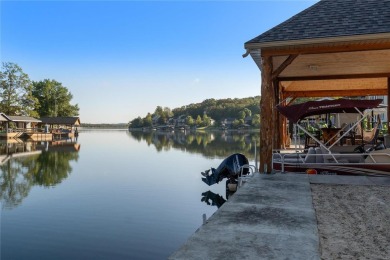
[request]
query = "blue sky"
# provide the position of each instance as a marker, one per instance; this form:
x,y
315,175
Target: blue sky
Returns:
x,y
122,59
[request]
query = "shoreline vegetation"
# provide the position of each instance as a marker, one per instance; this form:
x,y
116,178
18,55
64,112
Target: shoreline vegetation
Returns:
x,y
198,129
125,126
237,114
224,114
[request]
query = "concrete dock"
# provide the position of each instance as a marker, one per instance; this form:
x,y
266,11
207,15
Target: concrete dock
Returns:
x,y
269,217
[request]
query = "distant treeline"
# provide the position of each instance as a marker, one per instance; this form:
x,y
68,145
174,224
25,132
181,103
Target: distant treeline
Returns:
x,y
219,109
116,126
200,114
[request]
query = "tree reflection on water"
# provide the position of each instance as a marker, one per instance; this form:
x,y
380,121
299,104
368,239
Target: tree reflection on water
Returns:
x,y
27,164
217,144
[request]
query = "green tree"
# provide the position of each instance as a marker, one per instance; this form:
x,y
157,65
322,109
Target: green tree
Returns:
x,y
248,112
189,121
256,120
163,113
167,112
136,123
158,111
198,121
147,121
15,94
241,114
30,103
54,99
206,120
236,123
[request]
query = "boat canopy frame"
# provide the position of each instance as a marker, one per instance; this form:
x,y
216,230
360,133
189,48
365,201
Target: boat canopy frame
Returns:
x,y
326,106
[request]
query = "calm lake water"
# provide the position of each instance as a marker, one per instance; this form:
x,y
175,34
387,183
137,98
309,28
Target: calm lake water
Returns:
x,y
110,194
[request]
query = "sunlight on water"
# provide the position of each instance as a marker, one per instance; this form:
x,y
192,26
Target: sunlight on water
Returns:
x,y
109,194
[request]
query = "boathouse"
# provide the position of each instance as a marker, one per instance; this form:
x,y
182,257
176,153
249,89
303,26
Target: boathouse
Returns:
x,y
68,122
3,118
24,122
335,48
17,126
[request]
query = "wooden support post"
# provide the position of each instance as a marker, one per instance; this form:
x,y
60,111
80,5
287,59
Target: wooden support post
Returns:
x,y
266,123
283,126
276,116
388,105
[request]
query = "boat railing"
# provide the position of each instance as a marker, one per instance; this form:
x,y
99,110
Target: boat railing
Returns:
x,y
378,157
251,171
24,130
278,155
300,158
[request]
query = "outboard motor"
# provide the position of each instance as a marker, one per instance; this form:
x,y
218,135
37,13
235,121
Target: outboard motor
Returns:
x,y
229,168
379,146
361,149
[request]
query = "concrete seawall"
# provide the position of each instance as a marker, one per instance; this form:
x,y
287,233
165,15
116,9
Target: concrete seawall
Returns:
x,y
298,216
270,217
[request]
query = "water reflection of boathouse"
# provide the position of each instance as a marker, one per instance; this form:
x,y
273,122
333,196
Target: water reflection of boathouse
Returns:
x,y
14,148
44,163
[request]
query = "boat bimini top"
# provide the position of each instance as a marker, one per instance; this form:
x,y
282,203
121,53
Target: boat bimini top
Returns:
x,y
295,113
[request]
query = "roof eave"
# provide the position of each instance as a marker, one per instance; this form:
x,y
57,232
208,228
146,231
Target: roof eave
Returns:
x,y
25,121
339,39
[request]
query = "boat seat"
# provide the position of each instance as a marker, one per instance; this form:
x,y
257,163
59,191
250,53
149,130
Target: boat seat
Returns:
x,y
386,140
343,149
380,156
319,156
326,155
349,138
342,158
310,156
352,158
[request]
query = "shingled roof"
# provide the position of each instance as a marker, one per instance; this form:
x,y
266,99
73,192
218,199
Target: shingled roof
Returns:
x,y
23,119
332,18
3,117
61,120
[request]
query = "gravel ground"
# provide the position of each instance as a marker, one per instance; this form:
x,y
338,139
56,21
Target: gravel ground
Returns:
x,y
353,221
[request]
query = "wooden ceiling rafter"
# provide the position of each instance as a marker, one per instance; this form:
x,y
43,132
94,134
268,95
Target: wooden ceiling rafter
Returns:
x,y
339,93
320,89
329,77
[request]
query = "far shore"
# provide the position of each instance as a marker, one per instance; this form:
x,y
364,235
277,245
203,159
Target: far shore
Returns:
x,y
203,129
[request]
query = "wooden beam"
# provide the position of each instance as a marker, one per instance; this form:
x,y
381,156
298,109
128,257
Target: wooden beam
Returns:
x,y
325,48
284,65
266,108
282,123
276,115
337,93
292,98
388,105
327,77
